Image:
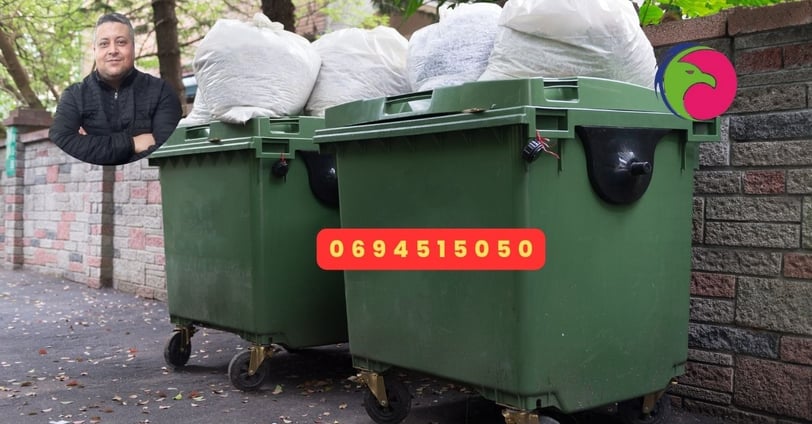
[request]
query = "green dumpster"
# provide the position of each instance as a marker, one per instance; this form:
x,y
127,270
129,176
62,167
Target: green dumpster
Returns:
x,y
601,167
242,205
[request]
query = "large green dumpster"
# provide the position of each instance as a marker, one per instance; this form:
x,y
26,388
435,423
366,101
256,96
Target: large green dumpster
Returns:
x,y
606,318
242,205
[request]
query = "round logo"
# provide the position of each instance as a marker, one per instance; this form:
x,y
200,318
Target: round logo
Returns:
x,y
696,82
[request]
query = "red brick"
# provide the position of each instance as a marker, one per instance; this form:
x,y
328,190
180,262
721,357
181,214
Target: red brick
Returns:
x,y
63,231
42,153
58,188
753,61
94,282
137,239
798,55
59,245
744,20
69,216
769,386
764,182
713,285
713,26
154,192
39,233
119,175
707,376
798,265
155,241
42,257
160,260
52,174
14,198
138,193
93,261
796,349
76,267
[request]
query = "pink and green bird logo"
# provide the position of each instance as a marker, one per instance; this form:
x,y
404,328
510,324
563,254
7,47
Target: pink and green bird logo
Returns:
x,y
696,82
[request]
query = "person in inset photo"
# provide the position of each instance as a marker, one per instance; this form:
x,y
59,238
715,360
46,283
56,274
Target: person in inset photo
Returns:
x,y
117,114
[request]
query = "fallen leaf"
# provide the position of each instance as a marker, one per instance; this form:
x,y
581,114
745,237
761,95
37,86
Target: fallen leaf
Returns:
x,y
66,402
43,352
277,390
198,398
72,383
117,398
47,410
164,406
194,394
26,384
179,396
342,406
194,404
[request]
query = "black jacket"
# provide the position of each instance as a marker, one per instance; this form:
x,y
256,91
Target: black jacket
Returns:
x,y
142,104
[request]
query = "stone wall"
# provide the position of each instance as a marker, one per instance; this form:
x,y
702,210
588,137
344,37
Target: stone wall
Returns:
x,y
101,226
751,308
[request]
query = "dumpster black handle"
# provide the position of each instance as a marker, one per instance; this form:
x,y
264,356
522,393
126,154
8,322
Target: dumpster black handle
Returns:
x,y
620,161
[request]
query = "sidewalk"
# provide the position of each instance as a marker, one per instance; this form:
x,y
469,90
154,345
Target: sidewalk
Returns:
x,y
70,354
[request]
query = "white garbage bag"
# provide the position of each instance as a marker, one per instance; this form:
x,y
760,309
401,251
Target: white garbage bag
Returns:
x,y
199,115
358,64
245,70
456,49
554,38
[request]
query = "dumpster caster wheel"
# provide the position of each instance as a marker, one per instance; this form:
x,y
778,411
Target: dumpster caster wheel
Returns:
x,y
399,403
238,372
176,352
631,412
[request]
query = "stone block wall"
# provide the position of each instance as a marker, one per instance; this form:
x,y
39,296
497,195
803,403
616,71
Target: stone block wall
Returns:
x,y
101,226
750,338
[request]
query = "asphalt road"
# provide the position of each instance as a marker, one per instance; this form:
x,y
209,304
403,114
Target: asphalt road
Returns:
x,y
74,355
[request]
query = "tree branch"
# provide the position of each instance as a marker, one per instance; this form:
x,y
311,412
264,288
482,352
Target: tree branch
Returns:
x,y
17,71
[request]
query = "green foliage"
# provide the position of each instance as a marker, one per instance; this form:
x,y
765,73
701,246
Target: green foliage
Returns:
x,y
652,12
48,42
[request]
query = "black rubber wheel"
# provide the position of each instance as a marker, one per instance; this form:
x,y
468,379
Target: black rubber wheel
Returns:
x,y
400,402
176,353
238,372
630,412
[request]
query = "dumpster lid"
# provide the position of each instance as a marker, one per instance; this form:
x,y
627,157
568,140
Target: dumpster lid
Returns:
x,y
569,93
270,137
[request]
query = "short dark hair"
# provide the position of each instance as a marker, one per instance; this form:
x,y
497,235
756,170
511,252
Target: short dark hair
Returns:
x,y
115,17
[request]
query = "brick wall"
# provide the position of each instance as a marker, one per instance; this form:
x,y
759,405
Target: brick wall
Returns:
x,y
101,226
751,309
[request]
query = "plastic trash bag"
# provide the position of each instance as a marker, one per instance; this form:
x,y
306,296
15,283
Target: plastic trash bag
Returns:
x,y
358,64
553,38
250,69
454,50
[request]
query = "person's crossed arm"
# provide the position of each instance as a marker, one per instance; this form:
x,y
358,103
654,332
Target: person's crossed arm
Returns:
x,y
111,149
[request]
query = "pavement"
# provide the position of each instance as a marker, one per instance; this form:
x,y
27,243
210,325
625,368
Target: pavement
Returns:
x,y
74,355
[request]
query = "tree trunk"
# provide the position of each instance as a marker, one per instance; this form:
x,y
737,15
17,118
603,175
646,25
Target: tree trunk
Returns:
x,y
166,35
16,70
280,11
